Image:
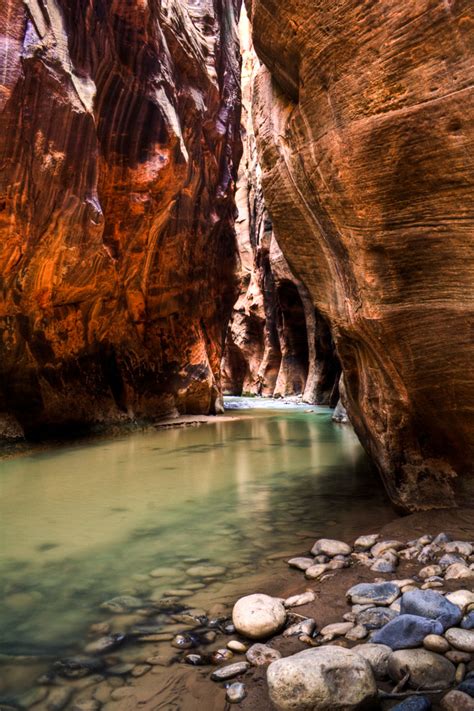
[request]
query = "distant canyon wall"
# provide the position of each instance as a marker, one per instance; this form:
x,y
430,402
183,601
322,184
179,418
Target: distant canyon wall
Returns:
x,y
119,144
277,344
363,120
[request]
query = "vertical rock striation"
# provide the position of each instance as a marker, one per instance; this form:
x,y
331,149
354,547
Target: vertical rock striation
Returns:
x,y
363,117
277,344
119,141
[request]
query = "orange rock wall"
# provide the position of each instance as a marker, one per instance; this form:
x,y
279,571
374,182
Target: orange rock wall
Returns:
x,y
119,141
363,118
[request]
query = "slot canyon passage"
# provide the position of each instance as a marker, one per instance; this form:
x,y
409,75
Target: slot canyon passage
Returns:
x,y
236,258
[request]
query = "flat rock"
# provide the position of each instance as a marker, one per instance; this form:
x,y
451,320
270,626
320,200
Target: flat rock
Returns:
x,y
373,593
458,571
337,629
205,571
122,603
413,703
380,548
305,627
260,655
382,565
431,604
427,669
302,599
230,671
377,655
461,639
330,547
301,563
462,547
364,543
376,617
406,631
315,571
321,679
258,616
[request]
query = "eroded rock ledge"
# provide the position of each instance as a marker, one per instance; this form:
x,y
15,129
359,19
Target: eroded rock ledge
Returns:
x,y
119,140
364,136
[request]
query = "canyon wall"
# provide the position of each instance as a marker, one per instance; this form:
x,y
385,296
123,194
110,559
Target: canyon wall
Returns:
x,y
277,344
119,142
363,118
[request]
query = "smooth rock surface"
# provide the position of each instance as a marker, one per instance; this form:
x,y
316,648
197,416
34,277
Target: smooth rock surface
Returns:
x,y
427,669
330,547
258,616
377,655
429,603
461,639
373,593
406,631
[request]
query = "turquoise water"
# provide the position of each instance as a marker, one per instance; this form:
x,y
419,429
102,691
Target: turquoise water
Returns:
x,y
85,522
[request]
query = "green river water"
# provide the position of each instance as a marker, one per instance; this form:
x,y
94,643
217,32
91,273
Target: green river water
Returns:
x,y
85,522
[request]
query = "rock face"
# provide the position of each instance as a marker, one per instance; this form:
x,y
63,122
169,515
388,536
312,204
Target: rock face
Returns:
x,y
277,343
119,143
364,137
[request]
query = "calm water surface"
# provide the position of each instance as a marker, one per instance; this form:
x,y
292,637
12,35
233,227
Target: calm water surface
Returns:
x,y
83,523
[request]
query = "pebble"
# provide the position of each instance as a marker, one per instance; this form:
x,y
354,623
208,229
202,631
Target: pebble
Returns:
x,y
330,547
302,599
301,563
86,705
58,698
305,627
235,646
124,692
184,641
460,673
457,701
120,669
315,571
429,571
260,655
363,543
375,617
160,660
457,571
164,572
375,593
221,655
380,548
104,644
337,629
381,565
197,660
141,669
230,671
122,604
356,633
461,639
101,628
235,693
436,643
456,657
78,666
258,616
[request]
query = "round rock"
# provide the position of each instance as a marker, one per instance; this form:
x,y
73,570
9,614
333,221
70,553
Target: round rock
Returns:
x,y
235,693
373,593
427,670
322,679
436,643
330,547
377,655
260,655
258,616
461,639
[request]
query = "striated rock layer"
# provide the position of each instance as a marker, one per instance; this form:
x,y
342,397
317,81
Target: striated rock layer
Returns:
x,y
277,344
119,140
363,118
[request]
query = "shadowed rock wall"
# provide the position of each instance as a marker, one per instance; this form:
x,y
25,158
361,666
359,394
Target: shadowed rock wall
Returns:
x,y
119,140
363,117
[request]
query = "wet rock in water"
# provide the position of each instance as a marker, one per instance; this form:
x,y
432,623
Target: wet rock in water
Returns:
x,y
196,660
125,692
122,604
258,616
58,698
302,599
238,647
221,655
105,644
458,571
230,671
413,703
330,547
377,655
461,598
373,593
364,543
205,571
467,622
166,572
461,639
193,617
229,628
120,669
436,643
305,627
457,701
31,697
260,655
427,670
235,693
141,669
209,637
100,628
86,705
321,679
184,641
376,617
77,667
407,631
301,563
429,603
315,571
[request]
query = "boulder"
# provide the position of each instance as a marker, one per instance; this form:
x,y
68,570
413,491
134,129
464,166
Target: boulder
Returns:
x,y
258,616
427,669
406,631
324,679
431,604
